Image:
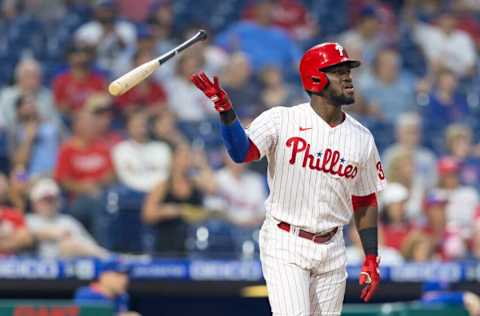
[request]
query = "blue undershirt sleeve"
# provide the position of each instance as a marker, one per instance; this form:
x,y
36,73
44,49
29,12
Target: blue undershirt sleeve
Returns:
x,y
236,140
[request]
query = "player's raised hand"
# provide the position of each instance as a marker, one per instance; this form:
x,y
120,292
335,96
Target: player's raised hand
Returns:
x,y
369,277
213,91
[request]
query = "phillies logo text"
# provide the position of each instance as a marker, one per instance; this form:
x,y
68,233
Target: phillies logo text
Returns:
x,y
328,162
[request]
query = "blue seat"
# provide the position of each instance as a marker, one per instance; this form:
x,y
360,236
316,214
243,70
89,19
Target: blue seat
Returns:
x,y
212,239
4,159
121,220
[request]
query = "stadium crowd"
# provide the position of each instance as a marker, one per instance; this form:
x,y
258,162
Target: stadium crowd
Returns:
x,y
84,174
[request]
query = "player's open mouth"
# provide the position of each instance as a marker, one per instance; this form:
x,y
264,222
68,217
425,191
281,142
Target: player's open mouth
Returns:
x,y
349,89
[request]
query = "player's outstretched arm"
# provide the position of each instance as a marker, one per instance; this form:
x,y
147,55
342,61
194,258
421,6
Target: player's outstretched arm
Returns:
x,y
239,146
366,217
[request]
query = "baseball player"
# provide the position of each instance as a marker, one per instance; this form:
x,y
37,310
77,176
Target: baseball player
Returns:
x,y
323,166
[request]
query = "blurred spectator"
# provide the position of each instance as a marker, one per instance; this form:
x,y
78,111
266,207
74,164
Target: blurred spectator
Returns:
x,y
14,236
424,10
109,36
160,25
19,185
161,21
263,43
214,58
23,35
418,247
83,164
408,130
458,144
395,225
365,40
446,46
246,209
35,140
164,129
334,11
148,94
140,162
458,197
84,169
28,79
134,11
277,92
100,106
476,237
402,170
57,235
467,19
386,11
239,83
239,214
387,89
443,106
169,205
355,255
110,287
187,102
290,15
72,88
448,242
458,141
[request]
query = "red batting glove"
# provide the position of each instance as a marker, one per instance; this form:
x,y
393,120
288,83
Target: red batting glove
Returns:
x,y
213,91
370,277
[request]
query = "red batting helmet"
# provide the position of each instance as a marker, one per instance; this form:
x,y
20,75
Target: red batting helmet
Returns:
x,y
319,57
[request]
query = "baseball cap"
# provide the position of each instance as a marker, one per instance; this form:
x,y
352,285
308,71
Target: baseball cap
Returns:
x,y
394,193
447,165
113,265
43,188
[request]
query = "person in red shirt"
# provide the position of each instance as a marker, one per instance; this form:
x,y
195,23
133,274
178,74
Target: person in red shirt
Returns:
x,y
446,238
14,235
83,165
148,93
290,15
395,224
84,170
71,88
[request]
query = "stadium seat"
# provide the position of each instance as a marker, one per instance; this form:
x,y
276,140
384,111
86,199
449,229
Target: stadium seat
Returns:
x,y
121,220
4,160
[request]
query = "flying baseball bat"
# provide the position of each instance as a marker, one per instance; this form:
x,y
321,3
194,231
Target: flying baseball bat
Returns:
x,y
135,76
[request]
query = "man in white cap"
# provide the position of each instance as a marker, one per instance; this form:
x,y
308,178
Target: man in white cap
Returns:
x,y
57,234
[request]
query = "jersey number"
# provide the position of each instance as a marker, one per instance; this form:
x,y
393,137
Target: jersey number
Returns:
x,y
380,172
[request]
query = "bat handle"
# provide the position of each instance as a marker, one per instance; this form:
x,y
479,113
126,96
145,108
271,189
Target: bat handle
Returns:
x,y
199,36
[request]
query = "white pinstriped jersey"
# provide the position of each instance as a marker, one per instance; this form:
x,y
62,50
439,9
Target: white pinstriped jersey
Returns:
x,y
313,168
